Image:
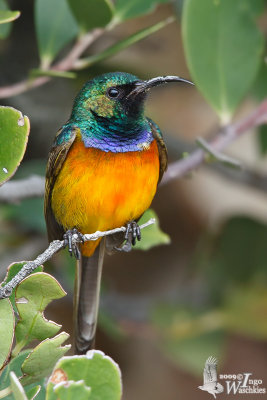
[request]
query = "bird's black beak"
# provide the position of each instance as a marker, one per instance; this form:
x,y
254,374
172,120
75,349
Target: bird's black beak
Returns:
x,y
141,87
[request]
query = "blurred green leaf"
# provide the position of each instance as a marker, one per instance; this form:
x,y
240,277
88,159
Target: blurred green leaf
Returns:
x,y
12,270
7,326
236,255
17,388
125,9
8,16
43,358
259,89
246,309
5,13
33,295
123,44
31,167
71,390
55,28
14,132
28,214
262,137
223,48
95,369
91,14
188,337
191,353
52,72
152,235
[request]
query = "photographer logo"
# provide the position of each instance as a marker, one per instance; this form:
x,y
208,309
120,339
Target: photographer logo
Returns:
x,y
241,383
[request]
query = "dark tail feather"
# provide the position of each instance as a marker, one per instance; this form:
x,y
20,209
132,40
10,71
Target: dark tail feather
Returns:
x,y
86,300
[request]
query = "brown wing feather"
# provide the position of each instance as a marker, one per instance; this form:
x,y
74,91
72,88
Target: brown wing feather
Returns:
x,y
56,159
163,155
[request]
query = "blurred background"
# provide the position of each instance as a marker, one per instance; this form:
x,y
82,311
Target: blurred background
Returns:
x,y
166,310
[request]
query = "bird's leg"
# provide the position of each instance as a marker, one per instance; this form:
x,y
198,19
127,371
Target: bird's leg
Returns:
x,y
132,233
73,247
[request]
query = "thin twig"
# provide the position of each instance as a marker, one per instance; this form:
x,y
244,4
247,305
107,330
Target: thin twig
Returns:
x,y
53,248
220,141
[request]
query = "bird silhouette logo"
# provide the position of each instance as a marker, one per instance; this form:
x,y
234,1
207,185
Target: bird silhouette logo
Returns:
x,y
211,383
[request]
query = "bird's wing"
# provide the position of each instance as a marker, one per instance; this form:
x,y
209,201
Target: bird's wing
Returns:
x,y
210,371
56,159
163,155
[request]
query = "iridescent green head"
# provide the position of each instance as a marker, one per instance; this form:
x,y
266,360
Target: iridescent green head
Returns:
x,y
107,96
109,110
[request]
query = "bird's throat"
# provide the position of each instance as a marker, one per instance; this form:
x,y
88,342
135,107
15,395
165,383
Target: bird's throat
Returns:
x,y
113,136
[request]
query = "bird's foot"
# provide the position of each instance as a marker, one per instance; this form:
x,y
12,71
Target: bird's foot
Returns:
x,y
73,247
132,233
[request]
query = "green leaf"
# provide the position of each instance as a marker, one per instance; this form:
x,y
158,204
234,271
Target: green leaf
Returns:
x,y
17,388
43,358
54,73
8,16
188,337
32,393
72,390
33,295
15,366
55,28
5,15
14,132
125,9
246,309
12,270
152,235
7,326
259,88
91,14
28,214
123,44
262,137
223,48
95,369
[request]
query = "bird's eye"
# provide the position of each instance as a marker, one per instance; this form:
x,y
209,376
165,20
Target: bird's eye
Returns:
x,y
113,92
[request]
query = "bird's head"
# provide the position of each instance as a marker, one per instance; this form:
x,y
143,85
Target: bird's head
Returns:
x,y
116,96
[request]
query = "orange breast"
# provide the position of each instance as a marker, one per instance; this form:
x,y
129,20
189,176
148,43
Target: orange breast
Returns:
x,y
96,190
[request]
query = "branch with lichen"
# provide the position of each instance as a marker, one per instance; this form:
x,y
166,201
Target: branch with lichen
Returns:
x,y
53,248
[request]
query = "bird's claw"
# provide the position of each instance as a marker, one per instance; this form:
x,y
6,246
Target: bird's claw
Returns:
x,y
73,247
132,233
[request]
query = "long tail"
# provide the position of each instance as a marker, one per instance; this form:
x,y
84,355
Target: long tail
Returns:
x,y
86,298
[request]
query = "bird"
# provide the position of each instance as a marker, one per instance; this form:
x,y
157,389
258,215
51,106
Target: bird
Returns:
x,y
211,384
102,173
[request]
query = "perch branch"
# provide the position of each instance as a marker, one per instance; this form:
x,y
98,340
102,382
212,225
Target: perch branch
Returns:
x,y
54,247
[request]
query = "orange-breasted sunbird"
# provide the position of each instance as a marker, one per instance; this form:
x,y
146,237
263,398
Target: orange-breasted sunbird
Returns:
x,y
102,173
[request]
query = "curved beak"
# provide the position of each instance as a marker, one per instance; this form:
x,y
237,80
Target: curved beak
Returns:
x,y
143,86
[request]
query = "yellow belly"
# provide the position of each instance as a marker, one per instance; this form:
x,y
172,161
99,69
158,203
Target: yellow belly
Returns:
x,y
96,190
